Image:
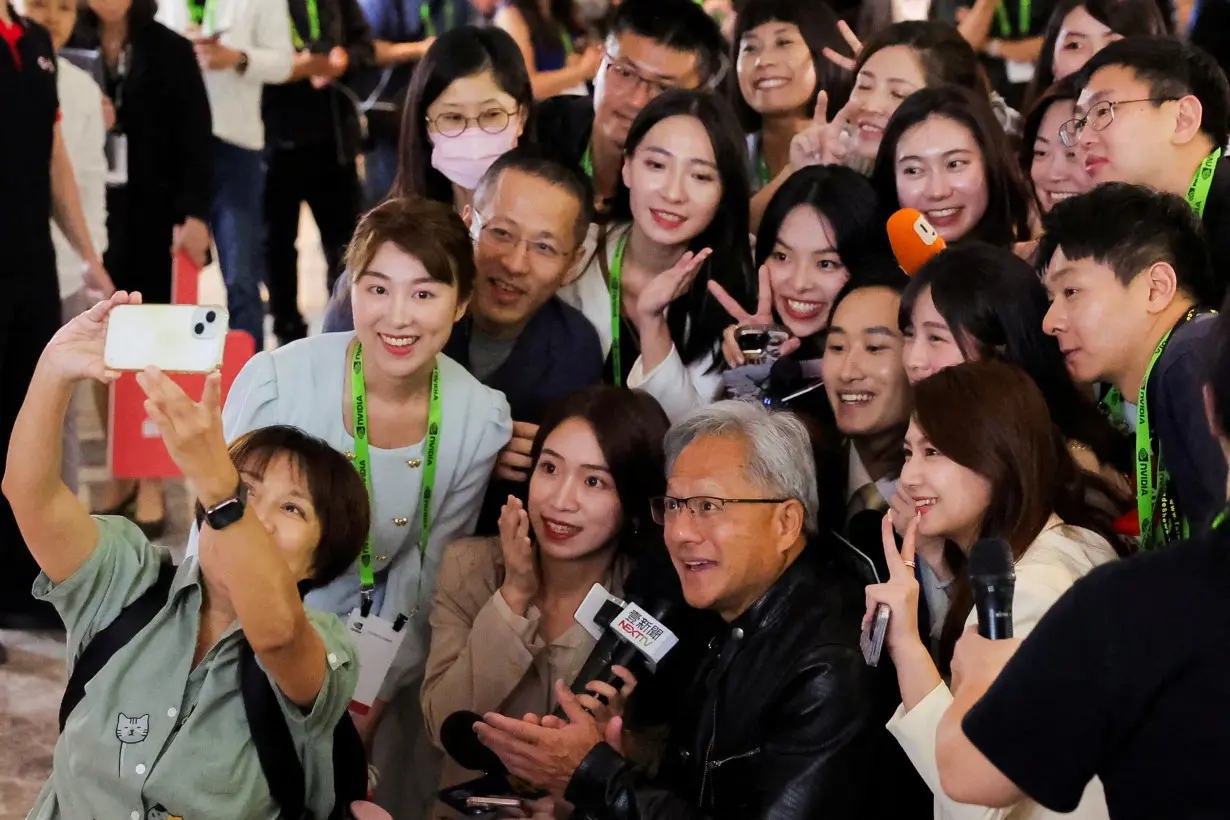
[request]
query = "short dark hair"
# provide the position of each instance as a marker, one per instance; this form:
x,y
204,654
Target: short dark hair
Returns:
x,y
462,52
532,162
338,494
842,196
680,25
946,57
630,427
1008,203
1128,228
994,305
431,232
881,276
1219,373
817,23
1172,69
1063,91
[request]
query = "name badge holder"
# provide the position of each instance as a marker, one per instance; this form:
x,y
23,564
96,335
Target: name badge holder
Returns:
x,y
377,641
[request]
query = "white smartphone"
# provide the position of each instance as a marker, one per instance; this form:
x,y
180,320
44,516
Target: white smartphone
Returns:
x,y
174,338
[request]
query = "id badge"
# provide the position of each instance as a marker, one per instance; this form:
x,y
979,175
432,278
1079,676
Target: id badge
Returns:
x,y
1018,72
117,159
377,642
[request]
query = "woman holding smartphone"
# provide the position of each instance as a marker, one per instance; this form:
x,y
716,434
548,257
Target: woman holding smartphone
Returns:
x,y
423,430
983,460
679,220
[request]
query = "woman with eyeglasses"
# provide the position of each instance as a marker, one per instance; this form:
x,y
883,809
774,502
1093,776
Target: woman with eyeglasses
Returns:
x,y
469,102
679,221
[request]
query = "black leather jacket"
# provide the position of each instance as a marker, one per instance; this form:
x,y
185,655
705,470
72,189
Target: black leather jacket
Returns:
x,y
780,722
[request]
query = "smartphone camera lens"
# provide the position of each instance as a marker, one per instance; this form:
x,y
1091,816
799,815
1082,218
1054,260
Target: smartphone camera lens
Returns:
x,y
200,328
211,317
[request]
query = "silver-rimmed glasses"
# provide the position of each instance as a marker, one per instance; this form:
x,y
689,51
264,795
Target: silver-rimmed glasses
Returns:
x,y
1098,117
454,124
664,508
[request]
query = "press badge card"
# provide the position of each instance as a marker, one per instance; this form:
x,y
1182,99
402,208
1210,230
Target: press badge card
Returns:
x,y
377,642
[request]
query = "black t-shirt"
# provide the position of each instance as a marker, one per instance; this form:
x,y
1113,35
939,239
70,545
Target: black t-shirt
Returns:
x,y
1190,453
1217,224
1126,677
29,107
562,126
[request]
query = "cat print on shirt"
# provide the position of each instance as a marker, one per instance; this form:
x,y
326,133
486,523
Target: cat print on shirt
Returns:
x,y
160,812
130,731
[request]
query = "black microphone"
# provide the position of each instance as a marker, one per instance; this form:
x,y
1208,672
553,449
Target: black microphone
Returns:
x,y
617,647
459,740
993,580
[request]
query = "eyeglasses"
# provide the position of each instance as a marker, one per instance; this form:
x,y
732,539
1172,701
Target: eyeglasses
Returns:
x,y
1098,118
453,124
626,78
507,241
664,508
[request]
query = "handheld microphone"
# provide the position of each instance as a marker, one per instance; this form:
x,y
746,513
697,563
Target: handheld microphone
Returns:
x,y
993,580
460,742
913,239
629,634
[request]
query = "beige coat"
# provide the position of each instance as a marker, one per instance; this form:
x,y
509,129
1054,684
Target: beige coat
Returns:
x,y
485,658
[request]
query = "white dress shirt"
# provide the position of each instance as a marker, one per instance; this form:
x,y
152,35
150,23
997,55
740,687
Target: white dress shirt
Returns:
x,y
81,123
260,29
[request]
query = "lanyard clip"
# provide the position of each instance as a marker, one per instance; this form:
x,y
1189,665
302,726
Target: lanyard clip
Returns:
x,y
365,601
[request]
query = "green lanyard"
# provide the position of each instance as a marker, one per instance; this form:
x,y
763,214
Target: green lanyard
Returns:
x,y
587,161
1023,18
566,41
363,463
617,266
1219,520
204,14
313,13
1198,191
762,170
1152,479
429,28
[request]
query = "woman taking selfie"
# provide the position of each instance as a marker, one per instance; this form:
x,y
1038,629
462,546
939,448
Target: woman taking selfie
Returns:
x,y
983,460
469,102
503,630
1055,171
944,154
678,221
164,723
975,302
414,271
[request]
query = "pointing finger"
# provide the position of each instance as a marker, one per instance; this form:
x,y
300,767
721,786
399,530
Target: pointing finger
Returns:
x,y
856,45
821,117
764,295
909,539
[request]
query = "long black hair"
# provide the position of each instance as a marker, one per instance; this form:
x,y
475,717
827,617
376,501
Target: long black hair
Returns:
x,y
88,29
994,304
946,57
1008,202
462,52
817,23
697,320
1130,18
1065,90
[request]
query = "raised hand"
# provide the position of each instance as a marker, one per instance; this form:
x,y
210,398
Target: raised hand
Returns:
x,y
763,316
607,703
856,47
192,432
900,592
75,352
520,561
824,141
668,286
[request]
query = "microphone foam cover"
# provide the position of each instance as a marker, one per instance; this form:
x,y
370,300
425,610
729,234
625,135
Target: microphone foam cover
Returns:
x,y
913,239
990,557
462,744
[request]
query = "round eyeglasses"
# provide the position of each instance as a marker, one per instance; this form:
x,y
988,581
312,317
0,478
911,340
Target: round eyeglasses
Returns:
x,y
454,124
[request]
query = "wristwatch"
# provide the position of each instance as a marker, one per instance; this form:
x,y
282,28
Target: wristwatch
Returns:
x,y
227,512
241,67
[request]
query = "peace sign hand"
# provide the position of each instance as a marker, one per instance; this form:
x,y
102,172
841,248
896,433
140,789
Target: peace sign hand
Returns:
x,y
823,142
856,47
668,286
900,593
763,316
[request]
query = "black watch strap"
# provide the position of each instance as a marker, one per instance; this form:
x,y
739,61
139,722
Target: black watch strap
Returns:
x,y
222,515
241,68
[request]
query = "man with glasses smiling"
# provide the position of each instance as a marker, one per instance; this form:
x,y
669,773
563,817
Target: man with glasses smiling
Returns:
x,y
1153,111
653,46
781,720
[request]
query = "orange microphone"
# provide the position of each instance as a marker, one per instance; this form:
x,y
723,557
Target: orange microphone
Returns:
x,y
913,239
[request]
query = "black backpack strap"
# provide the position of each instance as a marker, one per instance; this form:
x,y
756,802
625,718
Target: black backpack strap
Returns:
x,y
280,759
131,620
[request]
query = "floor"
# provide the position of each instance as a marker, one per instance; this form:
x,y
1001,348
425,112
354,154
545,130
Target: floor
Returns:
x,y
33,679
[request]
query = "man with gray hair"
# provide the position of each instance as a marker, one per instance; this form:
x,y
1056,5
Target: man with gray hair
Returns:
x,y
779,723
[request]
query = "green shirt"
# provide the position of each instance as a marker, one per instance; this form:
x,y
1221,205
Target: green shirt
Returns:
x,y
154,738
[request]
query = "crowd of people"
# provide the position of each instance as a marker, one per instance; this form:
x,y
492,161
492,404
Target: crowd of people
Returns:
x,y
614,314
